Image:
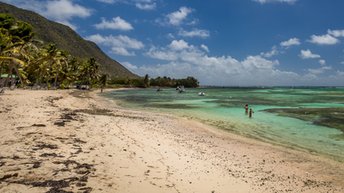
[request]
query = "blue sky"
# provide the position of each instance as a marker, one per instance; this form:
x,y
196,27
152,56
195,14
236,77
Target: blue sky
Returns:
x,y
220,42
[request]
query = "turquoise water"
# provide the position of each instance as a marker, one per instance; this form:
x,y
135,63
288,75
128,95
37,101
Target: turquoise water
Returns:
x,y
319,133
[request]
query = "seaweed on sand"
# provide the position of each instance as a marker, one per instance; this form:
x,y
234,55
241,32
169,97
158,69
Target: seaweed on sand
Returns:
x,y
42,145
95,111
56,185
66,117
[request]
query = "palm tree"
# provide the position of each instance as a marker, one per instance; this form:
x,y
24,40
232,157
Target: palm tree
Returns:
x,y
60,62
70,71
89,72
146,81
102,81
15,42
51,64
19,55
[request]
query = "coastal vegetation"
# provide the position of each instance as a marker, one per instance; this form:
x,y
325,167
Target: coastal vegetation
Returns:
x,y
36,63
31,62
189,82
146,82
68,40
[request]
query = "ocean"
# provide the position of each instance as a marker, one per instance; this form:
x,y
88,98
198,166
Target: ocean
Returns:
x,y
308,119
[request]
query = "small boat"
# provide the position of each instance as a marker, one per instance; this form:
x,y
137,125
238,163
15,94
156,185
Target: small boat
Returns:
x,y
201,94
180,89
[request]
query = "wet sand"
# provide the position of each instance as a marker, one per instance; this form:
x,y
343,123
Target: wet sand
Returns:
x,y
76,141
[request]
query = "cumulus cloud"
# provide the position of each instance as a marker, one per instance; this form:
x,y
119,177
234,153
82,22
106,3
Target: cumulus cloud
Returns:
x,y
107,1
275,1
201,33
336,33
322,62
307,54
326,39
273,52
205,48
177,17
129,65
62,11
276,50
146,6
116,23
181,59
179,45
118,44
290,42
317,71
331,38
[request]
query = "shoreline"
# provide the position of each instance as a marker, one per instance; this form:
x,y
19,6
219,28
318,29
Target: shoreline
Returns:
x,y
212,123
78,141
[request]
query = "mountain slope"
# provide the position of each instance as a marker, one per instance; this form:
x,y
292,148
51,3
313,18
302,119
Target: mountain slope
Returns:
x,y
67,39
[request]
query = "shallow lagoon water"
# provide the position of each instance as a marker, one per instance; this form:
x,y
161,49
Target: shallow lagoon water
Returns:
x,y
224,108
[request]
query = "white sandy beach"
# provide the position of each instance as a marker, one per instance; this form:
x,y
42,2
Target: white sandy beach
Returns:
x,y
75,141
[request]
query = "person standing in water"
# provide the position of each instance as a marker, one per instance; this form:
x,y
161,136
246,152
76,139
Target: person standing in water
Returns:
x,y
246,109
250,113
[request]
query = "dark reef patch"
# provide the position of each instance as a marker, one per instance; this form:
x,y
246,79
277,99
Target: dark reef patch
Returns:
x,y
329,117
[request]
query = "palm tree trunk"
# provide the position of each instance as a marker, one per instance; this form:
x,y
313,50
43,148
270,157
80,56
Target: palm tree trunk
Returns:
x,y
9,75
20,78
1,80
55,82
13,65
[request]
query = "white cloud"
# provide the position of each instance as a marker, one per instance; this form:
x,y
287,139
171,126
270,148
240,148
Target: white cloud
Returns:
x,y
336,33
195,33
290,42
177,17
179,45
116,23
170,36
271,53
146,6
107,1
192,60
130,66
258,63
210,70
322,62
317,71
122,51
330,38
62,11
118,44
275,1
205,48
324,40
307,54
162,54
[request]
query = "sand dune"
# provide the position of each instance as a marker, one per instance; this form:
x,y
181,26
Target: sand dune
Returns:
x,y
75,141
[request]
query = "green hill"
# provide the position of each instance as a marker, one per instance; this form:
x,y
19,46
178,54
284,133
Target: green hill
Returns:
x,y
67,39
